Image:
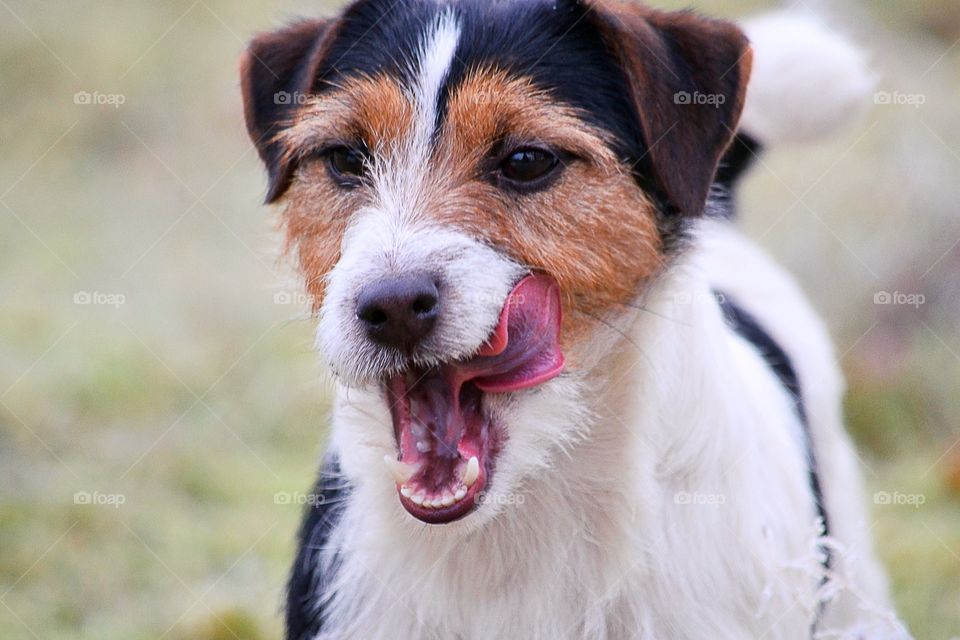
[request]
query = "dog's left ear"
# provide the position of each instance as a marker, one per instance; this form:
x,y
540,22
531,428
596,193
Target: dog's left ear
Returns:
x,y
688,76
277,70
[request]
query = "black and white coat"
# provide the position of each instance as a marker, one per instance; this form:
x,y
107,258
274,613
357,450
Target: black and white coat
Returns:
x,y
676,488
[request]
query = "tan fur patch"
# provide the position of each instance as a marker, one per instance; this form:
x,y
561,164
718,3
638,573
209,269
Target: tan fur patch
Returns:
x,y
593,229
373,111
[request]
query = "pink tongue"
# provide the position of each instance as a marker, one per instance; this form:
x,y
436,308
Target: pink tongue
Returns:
x,y
524,350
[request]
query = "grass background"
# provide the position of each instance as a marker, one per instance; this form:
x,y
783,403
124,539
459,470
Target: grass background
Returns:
x,y
199,398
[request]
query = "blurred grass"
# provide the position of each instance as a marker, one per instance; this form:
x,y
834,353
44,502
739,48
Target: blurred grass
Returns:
x,y
198,398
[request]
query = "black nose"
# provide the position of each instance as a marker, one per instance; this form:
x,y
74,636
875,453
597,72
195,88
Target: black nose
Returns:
x,y
399,312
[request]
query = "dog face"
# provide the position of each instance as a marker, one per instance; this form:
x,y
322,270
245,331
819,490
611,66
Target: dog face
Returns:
x,y
470,185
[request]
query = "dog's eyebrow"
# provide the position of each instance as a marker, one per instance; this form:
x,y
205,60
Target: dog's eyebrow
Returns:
x,y
492,105
372,110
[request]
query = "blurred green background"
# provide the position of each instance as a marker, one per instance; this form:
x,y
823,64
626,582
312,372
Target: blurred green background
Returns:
x,y
160,401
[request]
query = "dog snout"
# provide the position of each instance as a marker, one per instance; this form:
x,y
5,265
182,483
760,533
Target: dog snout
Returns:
x,y
400,311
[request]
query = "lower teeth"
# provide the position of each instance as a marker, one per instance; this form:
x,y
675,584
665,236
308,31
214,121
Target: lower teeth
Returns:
x,y
433,502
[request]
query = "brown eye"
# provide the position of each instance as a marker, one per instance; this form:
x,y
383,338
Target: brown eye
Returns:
x,y
528,165
347,164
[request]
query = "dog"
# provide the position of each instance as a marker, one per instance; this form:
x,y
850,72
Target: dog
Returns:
x,y
571,399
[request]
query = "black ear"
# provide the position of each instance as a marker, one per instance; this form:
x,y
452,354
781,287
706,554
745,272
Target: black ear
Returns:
x,y
688,76
276,71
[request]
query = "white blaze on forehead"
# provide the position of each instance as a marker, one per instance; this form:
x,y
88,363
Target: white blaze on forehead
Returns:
x,y
401,180
436,55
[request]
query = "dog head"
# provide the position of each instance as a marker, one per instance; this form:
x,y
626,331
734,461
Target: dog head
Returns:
x,y
471,186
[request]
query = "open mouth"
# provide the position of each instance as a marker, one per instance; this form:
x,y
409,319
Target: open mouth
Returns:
x,y
448,444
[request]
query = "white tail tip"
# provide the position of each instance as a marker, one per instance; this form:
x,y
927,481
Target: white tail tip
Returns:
x,y
807,83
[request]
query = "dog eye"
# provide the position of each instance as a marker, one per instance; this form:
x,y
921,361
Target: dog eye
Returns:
x,y
347,164
528,165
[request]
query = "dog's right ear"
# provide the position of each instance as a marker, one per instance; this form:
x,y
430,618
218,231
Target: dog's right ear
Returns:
x,y
276,71
688,79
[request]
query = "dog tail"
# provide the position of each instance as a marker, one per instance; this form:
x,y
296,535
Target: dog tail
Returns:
x,y
807,83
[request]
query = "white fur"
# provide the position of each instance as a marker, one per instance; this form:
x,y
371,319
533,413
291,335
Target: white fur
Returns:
x,y
807,81
660,492
392,236
663,492
436,55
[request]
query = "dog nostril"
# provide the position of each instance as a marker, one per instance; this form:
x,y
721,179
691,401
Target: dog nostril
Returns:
x,y
374,316
424,304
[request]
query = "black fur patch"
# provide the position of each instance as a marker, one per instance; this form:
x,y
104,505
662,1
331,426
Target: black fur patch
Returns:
x,y
739,158
315,565
747,327
552,42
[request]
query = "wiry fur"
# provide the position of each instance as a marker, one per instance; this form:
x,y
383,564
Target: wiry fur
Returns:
x,y
611,469
659,488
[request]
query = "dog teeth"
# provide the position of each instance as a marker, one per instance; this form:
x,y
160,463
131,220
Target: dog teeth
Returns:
x,y
442,499
400,471
471,472
421,499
